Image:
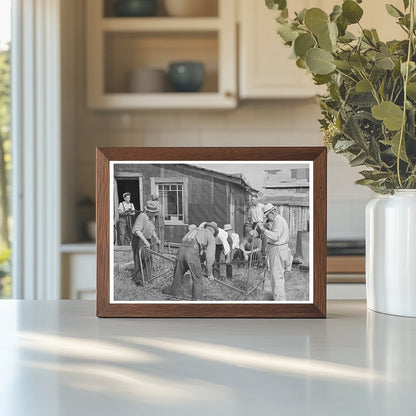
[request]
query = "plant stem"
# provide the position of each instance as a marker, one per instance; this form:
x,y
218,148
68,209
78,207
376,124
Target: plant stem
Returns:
x,y
406,80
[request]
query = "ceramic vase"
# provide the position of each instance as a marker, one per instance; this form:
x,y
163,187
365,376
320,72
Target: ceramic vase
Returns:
x,y
391,253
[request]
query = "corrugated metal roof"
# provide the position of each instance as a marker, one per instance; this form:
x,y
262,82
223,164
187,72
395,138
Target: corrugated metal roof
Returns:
x,y
237,178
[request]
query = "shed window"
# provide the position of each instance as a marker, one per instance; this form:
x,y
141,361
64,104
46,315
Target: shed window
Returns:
x,y
171,197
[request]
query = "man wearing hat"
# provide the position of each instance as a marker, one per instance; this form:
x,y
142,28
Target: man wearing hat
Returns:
x,y
142,234
222,246
233,240
159,218
197,244
255,213
277,249
125,211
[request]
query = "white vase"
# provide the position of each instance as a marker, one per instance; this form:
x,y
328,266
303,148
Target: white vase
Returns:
x,y
391,253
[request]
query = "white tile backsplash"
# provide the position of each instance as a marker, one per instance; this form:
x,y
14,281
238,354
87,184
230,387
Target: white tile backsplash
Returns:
x,y
257,123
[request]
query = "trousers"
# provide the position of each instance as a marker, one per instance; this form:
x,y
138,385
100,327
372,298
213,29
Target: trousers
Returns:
x,y
188,259
142,261
277,256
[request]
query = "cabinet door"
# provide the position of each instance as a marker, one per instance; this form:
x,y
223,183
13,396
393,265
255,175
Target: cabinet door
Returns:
x,y
265,68
266,71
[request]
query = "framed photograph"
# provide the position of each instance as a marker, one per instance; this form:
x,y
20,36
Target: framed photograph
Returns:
x,y
211,232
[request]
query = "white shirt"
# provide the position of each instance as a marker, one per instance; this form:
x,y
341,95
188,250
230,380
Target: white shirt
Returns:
x,y
236,240
221,238
125,206
279,234
255,213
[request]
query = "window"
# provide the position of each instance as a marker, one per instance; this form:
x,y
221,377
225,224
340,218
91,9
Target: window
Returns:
x,y
171,197
5,145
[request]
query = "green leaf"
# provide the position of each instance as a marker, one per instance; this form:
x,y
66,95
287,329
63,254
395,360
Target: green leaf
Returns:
x,y
347,37
359,160
301,63
287,33
375,35
342,25
316,20
351,11
325,42
319,61
363,86
336,12
374,175
321,79
301,15
384,62
358,61
303,43
394,145
411,90
344,65
276,4
388,112
393,11
343,145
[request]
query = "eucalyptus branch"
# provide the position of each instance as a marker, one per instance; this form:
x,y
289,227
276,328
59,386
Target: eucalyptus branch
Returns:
x,y
406,80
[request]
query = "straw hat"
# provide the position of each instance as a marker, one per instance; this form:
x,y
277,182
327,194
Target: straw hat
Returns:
x,y
151,206
213,225
268,208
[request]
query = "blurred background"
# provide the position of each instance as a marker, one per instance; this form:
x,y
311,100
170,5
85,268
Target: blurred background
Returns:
x,y
97,73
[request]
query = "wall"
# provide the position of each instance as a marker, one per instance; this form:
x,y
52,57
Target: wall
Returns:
x,y
254,123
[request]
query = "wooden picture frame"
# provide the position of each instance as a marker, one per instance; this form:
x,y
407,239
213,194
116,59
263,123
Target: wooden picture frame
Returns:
x,y
315,157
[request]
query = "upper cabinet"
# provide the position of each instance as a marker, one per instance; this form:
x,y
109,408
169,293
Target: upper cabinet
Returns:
x,y
264,65
160,61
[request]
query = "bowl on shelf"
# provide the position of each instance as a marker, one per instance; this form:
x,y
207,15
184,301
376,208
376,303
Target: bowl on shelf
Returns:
x,y
191,8
147,81
135,8
186,76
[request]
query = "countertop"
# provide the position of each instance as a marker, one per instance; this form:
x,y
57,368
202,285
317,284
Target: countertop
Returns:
x,y
57,358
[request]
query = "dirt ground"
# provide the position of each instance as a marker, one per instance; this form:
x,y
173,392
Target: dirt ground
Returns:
x,y
247,280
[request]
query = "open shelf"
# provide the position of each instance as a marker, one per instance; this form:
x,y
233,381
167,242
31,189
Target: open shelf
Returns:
x,y
127,51
211,9
160,24
119,45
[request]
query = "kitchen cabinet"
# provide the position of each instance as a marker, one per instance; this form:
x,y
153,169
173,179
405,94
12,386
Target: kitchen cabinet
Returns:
x,y
118,45
78,279
265,70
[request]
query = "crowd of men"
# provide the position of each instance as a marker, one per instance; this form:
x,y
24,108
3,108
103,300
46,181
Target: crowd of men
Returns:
x,y
265,239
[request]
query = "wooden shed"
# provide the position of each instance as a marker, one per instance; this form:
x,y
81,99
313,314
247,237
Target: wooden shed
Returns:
x,y
188,194
289,189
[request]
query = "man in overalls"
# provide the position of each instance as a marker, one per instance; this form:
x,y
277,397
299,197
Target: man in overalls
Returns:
x,y
195,244
126,212
277,249
142,234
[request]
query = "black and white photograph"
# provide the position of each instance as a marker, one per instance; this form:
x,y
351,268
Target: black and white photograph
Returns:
x,y
211,232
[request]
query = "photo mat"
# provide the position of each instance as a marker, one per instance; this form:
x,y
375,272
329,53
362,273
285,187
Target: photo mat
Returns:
x,y
248,265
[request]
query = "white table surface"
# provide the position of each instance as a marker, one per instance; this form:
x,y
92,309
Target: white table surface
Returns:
x,y
57,358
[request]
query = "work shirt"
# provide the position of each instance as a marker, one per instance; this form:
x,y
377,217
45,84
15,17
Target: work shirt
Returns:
x,y
125,206
222,238
206,240
234,241
255,213
279,234
145,225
